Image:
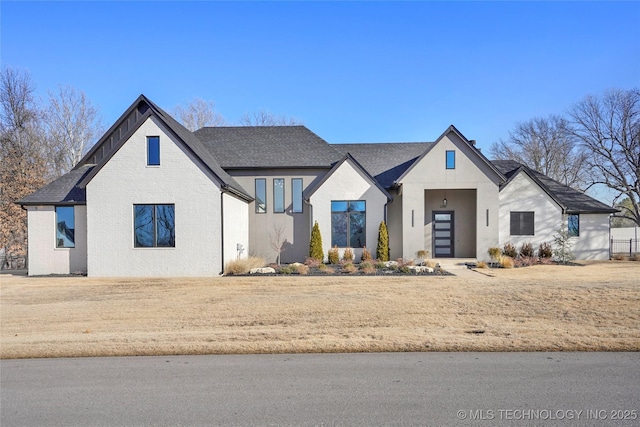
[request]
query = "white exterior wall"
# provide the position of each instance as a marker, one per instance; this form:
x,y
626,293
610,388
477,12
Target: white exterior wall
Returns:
x,y
236,227
524,195
348,183
593,241
625,233
470,173
44,257
126,180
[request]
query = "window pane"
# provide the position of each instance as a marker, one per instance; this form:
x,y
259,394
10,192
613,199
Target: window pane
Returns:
x,y
296,194
357,206
278,195
261,195
442,234
574,225
522,224
339,230
451,159
165,226
144,229
357,228
65,227
339,206
442,217
153,150
443,251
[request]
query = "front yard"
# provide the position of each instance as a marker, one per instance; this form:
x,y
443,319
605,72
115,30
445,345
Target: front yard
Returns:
x,y
543,307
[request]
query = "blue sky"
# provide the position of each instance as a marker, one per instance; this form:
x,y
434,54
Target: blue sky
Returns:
x,y
352,71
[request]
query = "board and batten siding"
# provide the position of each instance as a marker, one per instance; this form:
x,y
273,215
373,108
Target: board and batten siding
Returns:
x,y
126,180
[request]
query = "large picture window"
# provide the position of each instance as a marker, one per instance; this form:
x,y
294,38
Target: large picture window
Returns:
x,y
154,226
278,195
522,224
348,223
573,223
296,194
261,195
65,227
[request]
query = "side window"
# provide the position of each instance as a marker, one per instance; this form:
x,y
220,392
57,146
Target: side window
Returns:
x,y
261,195
451,159
296,194
65,227
278,195
153,151
573,223
522,224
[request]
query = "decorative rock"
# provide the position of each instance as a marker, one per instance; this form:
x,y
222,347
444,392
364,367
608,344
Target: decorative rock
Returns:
x,y
420,269
391,264
262,270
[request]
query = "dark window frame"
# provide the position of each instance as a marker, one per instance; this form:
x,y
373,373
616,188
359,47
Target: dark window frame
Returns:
x,y
261,208
349,214
450,159
573,225
154,226
276,193
296,196
522,223
153,155
68,232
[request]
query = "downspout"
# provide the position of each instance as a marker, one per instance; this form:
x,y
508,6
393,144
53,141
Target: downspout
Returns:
x,y
221,232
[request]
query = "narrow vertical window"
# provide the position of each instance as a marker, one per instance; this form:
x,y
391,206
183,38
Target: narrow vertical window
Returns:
x,y
65,227
261,195
451,159
296,194
278,195
153,150
573,223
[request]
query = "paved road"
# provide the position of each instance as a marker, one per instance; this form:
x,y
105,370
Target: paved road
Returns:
x,y
481,389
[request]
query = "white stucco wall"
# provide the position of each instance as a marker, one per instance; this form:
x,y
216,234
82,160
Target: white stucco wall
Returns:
x,y
44,257
236,227
524,195
348,183
470,173
593,241
126,180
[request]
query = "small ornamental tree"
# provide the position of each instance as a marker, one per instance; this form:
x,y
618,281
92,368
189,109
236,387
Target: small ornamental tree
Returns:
x,y
315,246
382,252
562,245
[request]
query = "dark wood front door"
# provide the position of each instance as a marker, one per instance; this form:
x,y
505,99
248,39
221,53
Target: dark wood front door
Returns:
x,y
443,234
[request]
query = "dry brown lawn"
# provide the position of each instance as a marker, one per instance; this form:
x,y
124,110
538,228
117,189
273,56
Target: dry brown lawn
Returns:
x,y
595,307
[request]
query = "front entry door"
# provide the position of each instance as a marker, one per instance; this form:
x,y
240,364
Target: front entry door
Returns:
x,y
443,234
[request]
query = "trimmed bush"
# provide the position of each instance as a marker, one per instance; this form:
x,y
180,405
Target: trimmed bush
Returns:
x,y
526,251
347,255
334,255
509,250
545,250
382,251
315,246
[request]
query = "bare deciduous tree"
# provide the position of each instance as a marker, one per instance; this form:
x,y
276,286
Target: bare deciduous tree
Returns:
x,y
608,126
22,161
278,240
549,146
73,125
198,114
266,118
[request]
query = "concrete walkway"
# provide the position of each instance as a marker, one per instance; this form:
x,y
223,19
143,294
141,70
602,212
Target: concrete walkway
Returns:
x,y
456,266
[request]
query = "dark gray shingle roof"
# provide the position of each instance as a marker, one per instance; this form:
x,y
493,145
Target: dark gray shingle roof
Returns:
x,y
385,161
63,190
267,147
572,201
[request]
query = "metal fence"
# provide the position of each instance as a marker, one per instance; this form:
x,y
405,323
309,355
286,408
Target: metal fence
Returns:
x,y
625,246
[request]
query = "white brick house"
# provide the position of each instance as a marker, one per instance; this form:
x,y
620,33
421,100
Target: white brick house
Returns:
x,y
153,199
